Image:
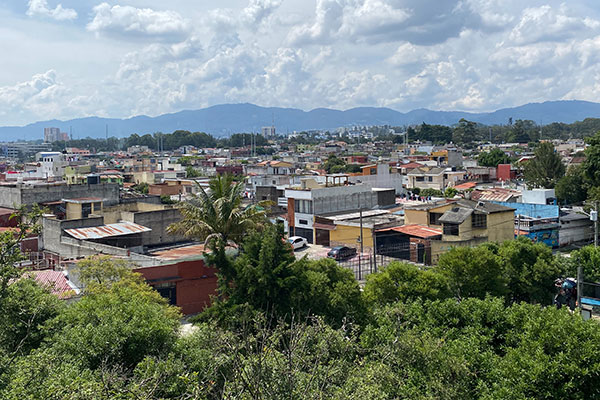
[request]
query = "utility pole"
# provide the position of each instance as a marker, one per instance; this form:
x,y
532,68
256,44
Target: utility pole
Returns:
x,y
579,284
361,241
595,218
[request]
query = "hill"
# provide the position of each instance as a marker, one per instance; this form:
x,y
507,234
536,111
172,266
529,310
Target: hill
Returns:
x,y
225,119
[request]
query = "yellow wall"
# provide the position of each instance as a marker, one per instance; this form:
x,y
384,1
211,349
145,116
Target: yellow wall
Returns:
x,y
73,211
347,236
421,217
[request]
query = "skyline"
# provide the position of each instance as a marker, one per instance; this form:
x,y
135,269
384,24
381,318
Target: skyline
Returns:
x,y
70,59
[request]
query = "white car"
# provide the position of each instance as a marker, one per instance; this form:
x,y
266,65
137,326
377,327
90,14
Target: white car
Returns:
x,y
298,242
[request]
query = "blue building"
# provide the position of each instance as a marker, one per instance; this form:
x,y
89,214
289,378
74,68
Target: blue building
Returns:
x,y
539,222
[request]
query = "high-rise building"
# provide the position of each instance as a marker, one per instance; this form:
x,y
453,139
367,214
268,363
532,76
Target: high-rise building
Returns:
x,y
268,132
51,134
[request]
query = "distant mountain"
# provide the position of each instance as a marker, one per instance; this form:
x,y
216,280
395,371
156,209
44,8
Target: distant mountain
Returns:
x,y
225,119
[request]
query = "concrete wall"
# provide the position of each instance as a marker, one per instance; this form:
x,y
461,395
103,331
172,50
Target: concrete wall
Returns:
x,y
158,221
343,198
344,235
52,231
15,196
421,217
439,247
576,231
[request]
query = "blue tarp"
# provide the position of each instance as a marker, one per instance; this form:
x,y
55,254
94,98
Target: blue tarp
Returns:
x,y
590,301
532,210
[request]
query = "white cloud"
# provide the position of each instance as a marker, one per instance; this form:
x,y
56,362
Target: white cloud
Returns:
x,y
132,22
40,7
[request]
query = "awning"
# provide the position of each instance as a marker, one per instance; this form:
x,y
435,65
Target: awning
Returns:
x,y
104,231
324,227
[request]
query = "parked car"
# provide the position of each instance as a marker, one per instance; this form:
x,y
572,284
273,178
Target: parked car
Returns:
x,y
298,242
341,253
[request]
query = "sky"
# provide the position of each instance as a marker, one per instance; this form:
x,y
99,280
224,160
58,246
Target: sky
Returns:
x,y
74,58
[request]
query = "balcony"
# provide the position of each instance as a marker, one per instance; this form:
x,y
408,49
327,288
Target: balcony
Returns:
x,y
282,201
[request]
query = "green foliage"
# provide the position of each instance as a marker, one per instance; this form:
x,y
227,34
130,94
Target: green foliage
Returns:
x,y
493,157
217,215
191,172
572,188
428,192
404,282
334,165
464,133
435,133
142,187
173,140
588,258
545,169
591,165
473,272
269,278
166,199
450,192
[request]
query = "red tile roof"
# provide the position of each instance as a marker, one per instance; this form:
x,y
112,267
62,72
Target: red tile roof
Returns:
x,y
421,231
465,186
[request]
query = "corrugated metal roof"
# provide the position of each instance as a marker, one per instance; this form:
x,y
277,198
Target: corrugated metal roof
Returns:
x,y
56,282
415,230
110,230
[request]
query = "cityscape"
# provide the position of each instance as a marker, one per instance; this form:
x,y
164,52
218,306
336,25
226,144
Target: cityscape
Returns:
x,y
266,199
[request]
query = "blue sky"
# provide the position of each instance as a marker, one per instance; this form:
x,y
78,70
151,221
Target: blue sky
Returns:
x,y
73,58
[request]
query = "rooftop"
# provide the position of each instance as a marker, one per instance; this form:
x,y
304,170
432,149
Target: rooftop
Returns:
x,y
109,230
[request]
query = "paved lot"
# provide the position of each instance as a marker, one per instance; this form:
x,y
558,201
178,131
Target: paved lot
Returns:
x,y
313,252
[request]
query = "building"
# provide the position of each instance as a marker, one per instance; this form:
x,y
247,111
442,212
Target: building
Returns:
x,y
14,195
24,149
575,228
463,223
268,132
434,178
54,135
312,199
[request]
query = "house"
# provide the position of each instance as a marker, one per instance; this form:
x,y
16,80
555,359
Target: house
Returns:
x,y
336,195
575,228
539,222
434,178
496,194
345,229
469,223
408,242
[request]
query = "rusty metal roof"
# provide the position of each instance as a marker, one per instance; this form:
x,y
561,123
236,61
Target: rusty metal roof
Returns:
x,y
104,231
421,231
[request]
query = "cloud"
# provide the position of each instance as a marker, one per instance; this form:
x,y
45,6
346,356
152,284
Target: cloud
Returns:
x,y
37,97
40,7
131,22
258,11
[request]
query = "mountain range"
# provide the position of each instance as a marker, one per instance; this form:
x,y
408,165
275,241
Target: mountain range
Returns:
x,y
225,119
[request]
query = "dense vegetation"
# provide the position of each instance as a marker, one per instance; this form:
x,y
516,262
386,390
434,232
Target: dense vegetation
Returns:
x,y
474,327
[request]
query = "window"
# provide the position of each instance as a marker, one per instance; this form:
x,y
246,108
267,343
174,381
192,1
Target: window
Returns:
x,y
420,178
451,229
434,218
303,222
479,220
430,178
303,206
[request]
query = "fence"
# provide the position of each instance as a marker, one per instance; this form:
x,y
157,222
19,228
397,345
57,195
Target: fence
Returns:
x,y
367,263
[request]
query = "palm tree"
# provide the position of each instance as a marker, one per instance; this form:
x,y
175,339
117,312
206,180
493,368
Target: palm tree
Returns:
x,y
217,216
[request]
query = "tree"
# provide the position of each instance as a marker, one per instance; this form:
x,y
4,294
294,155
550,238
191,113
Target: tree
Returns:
x,y
473,272
450,192
572,188
217,217
192,172
465,132
334,165
405,282
588,258
493,158
270,279
545,169
591,164
530,270
519,131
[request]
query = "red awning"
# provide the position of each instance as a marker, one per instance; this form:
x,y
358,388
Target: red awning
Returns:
x,y
324,227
